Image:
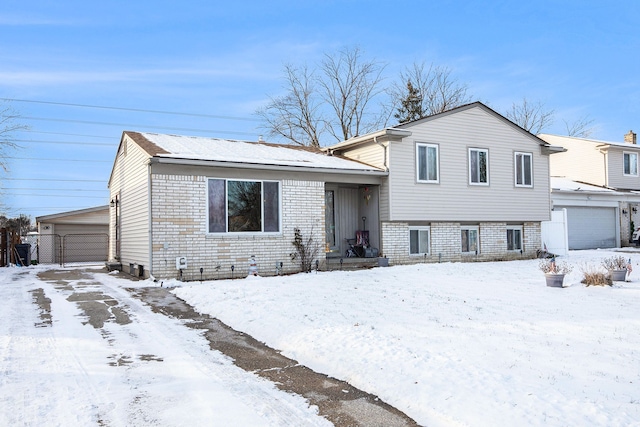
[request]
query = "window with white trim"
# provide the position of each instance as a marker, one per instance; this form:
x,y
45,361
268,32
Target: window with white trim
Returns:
x,y
236,206
419,240
427,163
630,161
478,166
470,239
514,238
524,169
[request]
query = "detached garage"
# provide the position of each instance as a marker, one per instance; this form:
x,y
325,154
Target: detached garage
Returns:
x,y
592,227
76,236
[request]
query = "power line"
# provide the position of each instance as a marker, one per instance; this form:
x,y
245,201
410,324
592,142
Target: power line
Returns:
x,y
128,125
60,196
48,189
67,134
139,110
54,180
39,141
59,160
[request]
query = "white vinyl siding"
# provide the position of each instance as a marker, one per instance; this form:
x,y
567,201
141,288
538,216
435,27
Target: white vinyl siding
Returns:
x,y
523,169
453,199
478,166
630,164
427,163
130,182
419,240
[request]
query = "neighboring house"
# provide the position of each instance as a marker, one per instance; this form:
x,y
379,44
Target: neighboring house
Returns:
x,y
597,182
75,236
466,184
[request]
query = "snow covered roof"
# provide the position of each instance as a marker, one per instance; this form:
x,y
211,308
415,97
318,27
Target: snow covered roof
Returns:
x,y
566,184
235,152
558,139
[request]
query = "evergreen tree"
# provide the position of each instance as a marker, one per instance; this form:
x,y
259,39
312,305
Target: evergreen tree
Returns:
x,y
410,107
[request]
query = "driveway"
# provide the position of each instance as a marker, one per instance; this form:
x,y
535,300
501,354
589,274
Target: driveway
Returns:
x,y
131,319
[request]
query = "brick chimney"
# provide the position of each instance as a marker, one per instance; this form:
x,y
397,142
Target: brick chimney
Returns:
x,y
630,137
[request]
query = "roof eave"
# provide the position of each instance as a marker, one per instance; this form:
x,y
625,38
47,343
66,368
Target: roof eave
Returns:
x,y
262,166
384,134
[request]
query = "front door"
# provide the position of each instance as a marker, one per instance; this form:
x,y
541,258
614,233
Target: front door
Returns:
x,y
331,244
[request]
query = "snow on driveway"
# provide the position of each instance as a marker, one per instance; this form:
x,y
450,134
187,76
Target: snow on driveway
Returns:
x,y
58,369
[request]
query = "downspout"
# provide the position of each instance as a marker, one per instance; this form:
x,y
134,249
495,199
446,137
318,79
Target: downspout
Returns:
x,y
150,219
386,168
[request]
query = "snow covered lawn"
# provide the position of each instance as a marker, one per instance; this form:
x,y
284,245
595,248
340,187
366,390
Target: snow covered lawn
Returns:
x,y
475,344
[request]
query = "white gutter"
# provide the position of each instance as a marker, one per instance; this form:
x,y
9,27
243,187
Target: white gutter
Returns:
x,y
260,166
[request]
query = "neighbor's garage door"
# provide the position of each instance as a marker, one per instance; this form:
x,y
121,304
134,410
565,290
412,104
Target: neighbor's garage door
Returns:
x,y
591,228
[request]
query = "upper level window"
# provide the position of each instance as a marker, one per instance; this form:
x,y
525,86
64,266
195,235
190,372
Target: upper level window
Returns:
x,y
243,206
427,163
478,166
524,173
419,240
630,164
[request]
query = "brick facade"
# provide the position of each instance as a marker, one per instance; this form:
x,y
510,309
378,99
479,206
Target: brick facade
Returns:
x,y
445,243
179,228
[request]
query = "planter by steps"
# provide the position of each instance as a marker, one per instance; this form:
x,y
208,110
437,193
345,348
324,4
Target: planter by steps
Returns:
x,y
383,262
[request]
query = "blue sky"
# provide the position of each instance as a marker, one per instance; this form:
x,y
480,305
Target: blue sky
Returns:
x,y
224,59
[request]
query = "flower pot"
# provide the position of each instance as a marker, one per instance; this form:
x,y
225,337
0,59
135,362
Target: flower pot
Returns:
x,y
618,275
383,262
554,280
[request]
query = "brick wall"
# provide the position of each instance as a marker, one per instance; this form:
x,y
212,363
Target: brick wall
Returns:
x,y
446,244
179,224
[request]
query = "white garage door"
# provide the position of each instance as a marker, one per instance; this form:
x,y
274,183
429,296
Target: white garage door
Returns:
x,y
591,228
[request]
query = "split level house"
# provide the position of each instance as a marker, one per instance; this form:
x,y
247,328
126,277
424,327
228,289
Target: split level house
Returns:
x,y
463,185
598,183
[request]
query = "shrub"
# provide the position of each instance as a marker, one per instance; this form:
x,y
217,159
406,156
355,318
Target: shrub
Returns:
x,y
550,265
616,262
593,276
306,250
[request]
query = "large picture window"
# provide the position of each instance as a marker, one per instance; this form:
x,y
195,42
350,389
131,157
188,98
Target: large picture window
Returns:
x,y
419,240
630,164
243,206
478,166
524,174
427,163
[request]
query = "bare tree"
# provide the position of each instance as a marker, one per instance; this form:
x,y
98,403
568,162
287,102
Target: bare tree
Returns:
x,y
8,125
580,128
426,91
532,117
349,84
335,100
295,116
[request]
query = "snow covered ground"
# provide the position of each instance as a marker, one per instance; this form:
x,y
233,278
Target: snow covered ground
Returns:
x,y
477,344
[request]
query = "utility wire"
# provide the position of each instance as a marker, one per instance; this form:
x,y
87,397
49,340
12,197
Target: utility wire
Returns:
x,y
60,196
47,189
53,180
60,160
139,110
68,134
127,125
39,141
